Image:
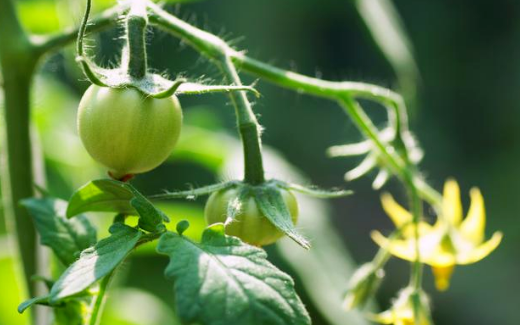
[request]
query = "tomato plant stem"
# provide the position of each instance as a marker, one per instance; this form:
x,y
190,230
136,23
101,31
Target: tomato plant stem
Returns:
x,y
99,300
18,61
135,52
247,126
214,48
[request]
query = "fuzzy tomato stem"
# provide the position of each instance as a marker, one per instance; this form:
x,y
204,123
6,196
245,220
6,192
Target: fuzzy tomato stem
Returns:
x,y
247,126
135,52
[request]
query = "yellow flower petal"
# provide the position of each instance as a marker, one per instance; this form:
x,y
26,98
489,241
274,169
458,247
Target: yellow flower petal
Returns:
x,y
472,228
442,277
386,317
481,251
441,259
451,205
395,211
400,248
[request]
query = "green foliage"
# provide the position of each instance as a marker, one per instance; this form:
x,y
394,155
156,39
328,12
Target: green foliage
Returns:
x,y
151,219
102,195
44,300
224,281
220,280
96,263
66,238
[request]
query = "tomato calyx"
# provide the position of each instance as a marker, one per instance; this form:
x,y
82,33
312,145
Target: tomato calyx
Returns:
x,y
133,72
269,198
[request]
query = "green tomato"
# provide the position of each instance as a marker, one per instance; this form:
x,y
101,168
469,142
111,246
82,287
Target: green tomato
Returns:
x,y
250,224
126,131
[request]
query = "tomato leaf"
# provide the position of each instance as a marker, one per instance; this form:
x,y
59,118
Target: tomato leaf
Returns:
x,y
273,207
96,262
66,238
43,300
224,281
102,195
151,219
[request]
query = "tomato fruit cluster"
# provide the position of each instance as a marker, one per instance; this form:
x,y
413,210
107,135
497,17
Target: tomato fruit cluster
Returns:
x,y
126,131
249,224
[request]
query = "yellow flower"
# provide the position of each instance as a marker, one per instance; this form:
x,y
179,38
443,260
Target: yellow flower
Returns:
x,y
449,242
401,312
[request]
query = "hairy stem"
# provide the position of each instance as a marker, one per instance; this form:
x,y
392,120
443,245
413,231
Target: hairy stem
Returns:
x,y
135,52
247,126
214,48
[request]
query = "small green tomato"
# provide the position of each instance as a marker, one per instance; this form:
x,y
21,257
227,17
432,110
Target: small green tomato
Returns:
x,y
250,224
126,131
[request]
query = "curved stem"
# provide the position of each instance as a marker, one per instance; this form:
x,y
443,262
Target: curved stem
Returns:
x,y
343,92
248,127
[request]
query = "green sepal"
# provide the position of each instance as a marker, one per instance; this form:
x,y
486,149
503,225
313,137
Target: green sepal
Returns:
x,y
272,205
196,192
153,85
222,280
314,191
149,84
235,204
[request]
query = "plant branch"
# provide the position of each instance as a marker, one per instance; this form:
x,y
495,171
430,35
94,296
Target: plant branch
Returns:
x,y
135,51
247,126
99,300
214,48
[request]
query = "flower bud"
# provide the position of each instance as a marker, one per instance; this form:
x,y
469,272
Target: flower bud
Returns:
x,y
363,284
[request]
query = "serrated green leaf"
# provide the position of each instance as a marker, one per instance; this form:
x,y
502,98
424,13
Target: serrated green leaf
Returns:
x,y
273,207
224,281
96,262
102,195
66,238
150,218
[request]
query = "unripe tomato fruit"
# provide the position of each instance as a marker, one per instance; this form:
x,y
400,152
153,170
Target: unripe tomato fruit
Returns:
x,y
250,224
126,131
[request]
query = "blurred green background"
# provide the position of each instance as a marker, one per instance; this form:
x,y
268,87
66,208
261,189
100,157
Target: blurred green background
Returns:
x,y
466,116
